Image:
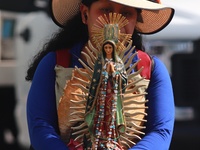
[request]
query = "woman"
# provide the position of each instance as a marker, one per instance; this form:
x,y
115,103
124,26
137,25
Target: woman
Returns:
x,y
77,29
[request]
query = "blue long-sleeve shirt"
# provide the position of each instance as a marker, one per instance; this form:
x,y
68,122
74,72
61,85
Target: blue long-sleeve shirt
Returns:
x,y
42,111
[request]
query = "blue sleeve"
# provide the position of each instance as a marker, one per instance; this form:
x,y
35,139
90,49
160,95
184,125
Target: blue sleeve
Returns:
x,y
160,119
41,107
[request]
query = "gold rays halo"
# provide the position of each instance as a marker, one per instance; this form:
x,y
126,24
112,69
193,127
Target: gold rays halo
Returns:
x,y
108,28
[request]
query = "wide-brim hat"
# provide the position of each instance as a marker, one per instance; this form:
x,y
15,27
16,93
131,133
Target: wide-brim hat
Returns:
x,y
153,17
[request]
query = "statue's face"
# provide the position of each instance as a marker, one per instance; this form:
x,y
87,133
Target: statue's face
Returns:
x,y
108,48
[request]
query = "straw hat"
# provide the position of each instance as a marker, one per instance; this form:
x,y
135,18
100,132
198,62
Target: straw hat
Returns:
x,y
154,16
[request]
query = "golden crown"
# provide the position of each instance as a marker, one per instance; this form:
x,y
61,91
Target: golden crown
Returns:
x,y
108,28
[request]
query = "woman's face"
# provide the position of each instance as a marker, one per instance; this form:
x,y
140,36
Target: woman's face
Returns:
x,y
101,7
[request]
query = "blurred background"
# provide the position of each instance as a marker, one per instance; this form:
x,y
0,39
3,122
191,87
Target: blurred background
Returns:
x,y
25,26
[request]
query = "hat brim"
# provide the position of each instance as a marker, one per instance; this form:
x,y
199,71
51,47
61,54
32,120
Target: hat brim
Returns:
x,y
153,18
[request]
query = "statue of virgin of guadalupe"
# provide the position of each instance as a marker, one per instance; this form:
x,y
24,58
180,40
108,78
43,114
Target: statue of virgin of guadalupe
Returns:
x,y
103,104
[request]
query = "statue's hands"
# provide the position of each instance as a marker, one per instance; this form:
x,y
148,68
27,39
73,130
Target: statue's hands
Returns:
x,y
108,67
112,68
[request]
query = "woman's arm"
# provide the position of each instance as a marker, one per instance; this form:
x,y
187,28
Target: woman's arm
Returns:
x,y
41,108
160,118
